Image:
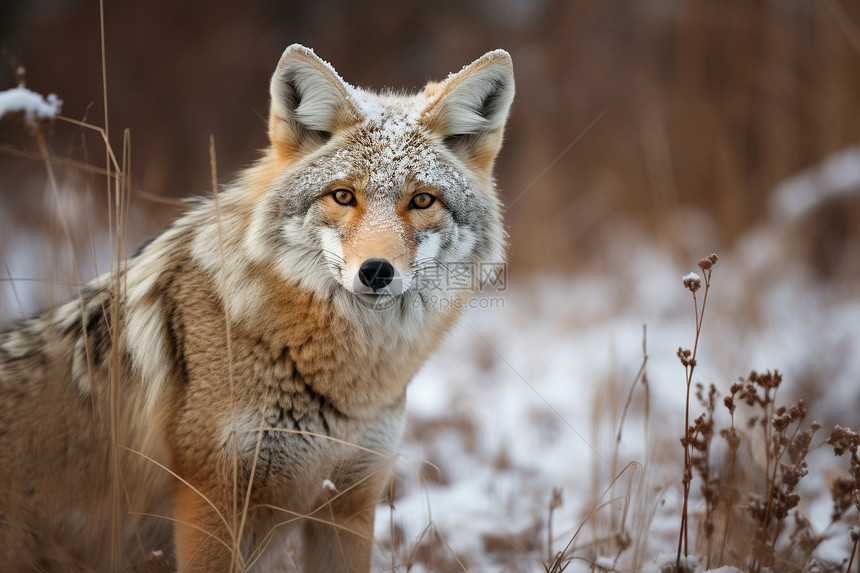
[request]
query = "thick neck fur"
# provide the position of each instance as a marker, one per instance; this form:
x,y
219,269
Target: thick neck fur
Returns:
x,y
359,359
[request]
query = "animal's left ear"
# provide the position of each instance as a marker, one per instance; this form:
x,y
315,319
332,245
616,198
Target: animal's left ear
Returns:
x,y
470,108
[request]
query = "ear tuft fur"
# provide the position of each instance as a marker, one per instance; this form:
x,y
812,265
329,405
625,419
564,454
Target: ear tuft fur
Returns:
x,y
309,102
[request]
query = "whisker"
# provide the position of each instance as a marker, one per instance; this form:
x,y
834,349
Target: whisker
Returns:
x,y
334,255
334,266
427,260
426,263
331,259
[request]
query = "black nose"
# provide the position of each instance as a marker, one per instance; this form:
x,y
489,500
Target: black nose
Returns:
x,y
376,273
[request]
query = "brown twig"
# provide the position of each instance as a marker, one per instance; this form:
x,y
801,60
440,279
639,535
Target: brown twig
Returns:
x,y
688,360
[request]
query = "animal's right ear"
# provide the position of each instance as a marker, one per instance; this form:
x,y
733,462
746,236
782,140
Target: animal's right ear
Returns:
x,y
309,102
470,108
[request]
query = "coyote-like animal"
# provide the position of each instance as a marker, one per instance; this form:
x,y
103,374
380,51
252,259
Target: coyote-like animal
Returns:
x,y
246,371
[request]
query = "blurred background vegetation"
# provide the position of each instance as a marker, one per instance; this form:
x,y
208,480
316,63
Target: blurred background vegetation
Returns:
x,y
626,112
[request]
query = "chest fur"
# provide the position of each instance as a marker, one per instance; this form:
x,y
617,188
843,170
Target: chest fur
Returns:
x,y
300,390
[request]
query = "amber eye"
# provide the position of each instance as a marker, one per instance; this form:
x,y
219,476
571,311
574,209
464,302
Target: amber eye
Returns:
x,y
343,197
422,201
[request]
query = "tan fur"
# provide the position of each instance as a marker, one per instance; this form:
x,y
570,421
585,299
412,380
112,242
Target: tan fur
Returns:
x,y
257,178
201,402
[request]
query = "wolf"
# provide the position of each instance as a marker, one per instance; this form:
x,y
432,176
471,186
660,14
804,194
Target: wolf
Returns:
x,y
244,375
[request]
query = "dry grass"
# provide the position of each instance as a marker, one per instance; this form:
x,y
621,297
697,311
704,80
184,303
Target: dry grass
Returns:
x,y
751,520
756,508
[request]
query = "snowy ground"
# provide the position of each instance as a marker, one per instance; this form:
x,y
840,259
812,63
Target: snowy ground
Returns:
x,y
526,398
521,400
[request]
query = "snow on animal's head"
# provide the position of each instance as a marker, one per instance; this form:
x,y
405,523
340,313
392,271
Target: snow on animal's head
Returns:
x,y
371,192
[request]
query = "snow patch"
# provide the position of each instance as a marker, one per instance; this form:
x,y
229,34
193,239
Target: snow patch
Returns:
x,y
328,485
34,106
838,175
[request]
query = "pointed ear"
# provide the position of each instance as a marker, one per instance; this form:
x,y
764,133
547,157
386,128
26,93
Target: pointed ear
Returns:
x,y
470,108
309,102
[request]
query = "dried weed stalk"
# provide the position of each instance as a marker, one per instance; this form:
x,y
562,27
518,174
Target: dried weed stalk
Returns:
x,y
688,359
699,439
846,490
773,541
786,448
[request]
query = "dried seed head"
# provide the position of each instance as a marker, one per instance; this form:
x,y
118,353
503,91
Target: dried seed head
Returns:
x,y
780,422
708,261
692,282
843,439
684,356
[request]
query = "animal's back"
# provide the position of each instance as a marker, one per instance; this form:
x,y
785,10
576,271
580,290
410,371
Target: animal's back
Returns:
x,y
59,446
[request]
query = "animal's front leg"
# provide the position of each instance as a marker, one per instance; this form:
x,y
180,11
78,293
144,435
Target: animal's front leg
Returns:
x,y
339,536
204,536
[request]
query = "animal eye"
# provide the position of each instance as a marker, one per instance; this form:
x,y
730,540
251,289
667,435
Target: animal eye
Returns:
x,y
343,197
422,201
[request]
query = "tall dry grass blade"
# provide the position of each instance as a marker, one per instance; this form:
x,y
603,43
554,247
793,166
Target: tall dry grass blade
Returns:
x,y
120,187
431,526
562,555
636,380
111,161
186,523
311,516
161,199
12,284
237,555
184,482
213,166
59,161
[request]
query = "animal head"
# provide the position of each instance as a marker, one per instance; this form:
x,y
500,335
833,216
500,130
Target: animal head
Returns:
x,y
366,193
